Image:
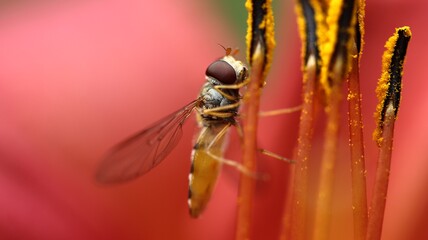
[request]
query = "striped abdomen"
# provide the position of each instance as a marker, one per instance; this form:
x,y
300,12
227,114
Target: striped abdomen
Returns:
x,y
205,168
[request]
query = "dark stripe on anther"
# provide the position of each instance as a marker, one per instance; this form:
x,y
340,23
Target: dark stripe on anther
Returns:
x,y
396,69
258,34
189,196
344,25
311,36
343,36
192,168
358,36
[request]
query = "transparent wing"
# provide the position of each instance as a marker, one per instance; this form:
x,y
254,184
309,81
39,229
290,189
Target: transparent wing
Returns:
x,y
144,150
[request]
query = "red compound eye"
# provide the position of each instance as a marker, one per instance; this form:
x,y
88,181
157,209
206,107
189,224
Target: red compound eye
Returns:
x,y
222,71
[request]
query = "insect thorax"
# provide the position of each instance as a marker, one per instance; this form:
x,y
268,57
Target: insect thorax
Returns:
x,y
214,99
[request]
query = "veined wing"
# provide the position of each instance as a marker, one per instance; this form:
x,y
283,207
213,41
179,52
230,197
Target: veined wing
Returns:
x,y
144,150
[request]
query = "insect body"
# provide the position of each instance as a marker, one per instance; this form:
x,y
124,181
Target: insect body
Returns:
x,y
216,107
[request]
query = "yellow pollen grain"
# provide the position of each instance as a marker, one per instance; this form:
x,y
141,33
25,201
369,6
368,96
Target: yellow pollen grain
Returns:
x,y
249,36
327,48
361,13
269,25
301,22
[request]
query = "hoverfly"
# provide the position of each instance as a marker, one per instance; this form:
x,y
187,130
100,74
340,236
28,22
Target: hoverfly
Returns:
x,y
216,110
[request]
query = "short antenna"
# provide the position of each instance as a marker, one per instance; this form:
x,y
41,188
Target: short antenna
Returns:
x,y
227,50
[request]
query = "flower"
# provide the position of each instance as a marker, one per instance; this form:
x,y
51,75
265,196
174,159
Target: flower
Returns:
x,y
75,78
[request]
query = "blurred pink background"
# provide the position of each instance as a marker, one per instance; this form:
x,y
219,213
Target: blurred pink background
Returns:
x,y
77,77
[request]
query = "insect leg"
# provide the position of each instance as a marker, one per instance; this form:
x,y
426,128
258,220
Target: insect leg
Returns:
x,y
232,86
261,150
229,162
216,111
280,111
274,155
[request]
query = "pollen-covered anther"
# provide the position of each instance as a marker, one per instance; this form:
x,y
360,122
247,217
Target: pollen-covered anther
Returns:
x,y
260,31
388,89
